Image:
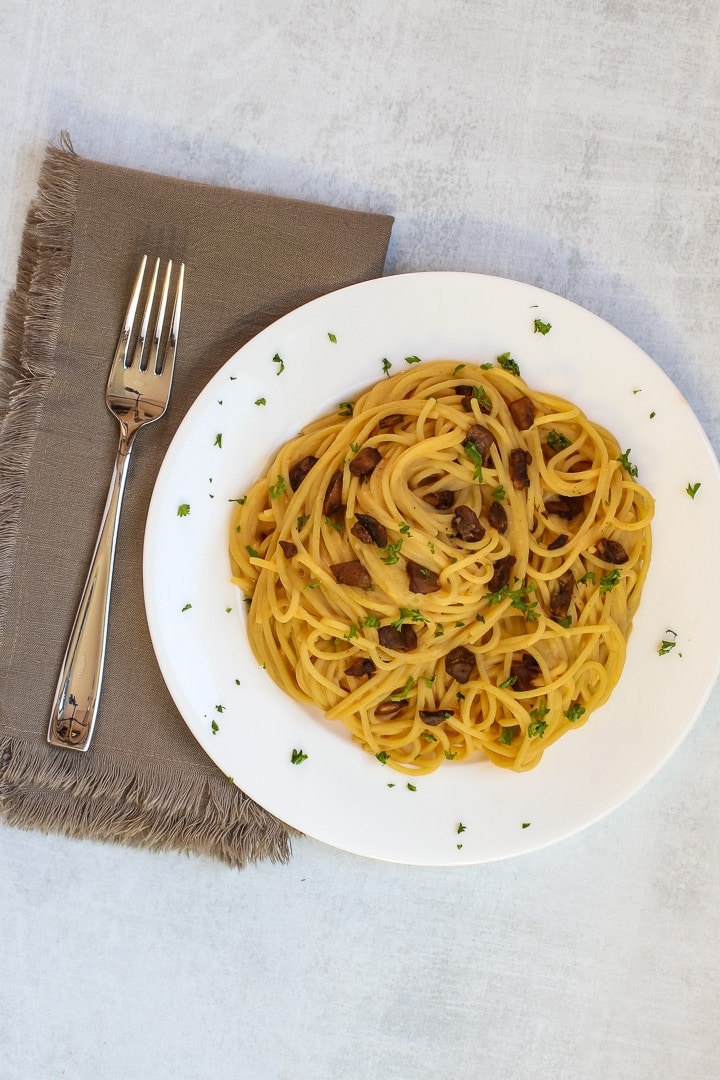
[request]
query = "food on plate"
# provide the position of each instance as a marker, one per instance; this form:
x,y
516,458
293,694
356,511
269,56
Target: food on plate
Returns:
x,y
448,565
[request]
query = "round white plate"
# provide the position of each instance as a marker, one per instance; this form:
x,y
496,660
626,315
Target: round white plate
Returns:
x,y
330,349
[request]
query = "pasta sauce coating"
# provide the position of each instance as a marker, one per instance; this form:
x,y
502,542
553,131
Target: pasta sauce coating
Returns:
x,y
450,571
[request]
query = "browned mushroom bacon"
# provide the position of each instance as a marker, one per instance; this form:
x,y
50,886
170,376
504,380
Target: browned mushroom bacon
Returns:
x,y
361,667
365,461
333,494
369,530
519,461
300,469
400,639
460,664
522,411
421,579
561,598
501,573
612,551
352,573
467,524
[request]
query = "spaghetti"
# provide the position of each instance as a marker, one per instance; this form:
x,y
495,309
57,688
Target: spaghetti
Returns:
x,y
448,565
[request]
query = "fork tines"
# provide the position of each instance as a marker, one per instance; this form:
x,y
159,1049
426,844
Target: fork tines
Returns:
x,y
156,358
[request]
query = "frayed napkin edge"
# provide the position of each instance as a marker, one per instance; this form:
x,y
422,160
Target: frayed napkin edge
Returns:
x,y
38,793
32,326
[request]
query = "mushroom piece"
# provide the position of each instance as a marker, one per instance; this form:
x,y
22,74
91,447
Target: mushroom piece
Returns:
x,y
289,549
566,507
365,461
558,542
333,494
391,421
460,664
560,600
360,667
369,530
389,708
501,573
523,412
497,516
524,670
421,579
400,640
440,500
612,551
300,469
519,461
482,438
433,717
351,573
467,525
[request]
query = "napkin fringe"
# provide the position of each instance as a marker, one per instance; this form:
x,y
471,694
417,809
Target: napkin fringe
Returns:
x,y
40,792
32,325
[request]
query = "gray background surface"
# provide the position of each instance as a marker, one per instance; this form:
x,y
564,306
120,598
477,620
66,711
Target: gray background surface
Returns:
x,y
573,146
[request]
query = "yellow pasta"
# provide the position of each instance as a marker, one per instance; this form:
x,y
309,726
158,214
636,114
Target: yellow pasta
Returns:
x,y
449,566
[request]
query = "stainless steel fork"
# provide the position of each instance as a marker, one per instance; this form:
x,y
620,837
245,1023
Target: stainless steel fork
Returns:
x,y
137,393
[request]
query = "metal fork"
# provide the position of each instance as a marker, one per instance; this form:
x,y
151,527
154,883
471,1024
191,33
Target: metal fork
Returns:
x,y
137,393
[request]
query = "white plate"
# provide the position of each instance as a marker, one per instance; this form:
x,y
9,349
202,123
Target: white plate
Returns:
x,y
341,794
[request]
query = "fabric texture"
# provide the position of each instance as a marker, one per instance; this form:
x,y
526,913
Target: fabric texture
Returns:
x,y
250,259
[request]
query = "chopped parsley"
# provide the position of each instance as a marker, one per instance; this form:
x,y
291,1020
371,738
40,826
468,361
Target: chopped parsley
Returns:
x,y
692,490
277,359
218,440
391,553
461,828
252,552
541,327
302,520
609,581
405,528
499,493
331,337
508,364
370,621
667,645
345,408
456,369
482,396
386,365
412,359
574,712
627,464
241,501
383,757
526,825
261,401
276,490
336,525
557,441
297,757
215,727
587,578
187,607
472,452
409,615
450,754
507,735
183,510
411,787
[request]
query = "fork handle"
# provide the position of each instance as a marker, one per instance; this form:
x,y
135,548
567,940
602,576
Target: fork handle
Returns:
x,y
75,706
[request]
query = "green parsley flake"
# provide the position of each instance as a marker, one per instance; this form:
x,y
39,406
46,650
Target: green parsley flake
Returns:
x,y
276,490
508,364
391,553
187,607
183,510
241,501
557,441
456,369
261,401
526,824
409,615
252,552
499,493
412,360
609,581
692,490
297,757
215,727
331,337
302,520
668,644
461,828
386,365
541,327
345,408
508,734
218,440
472,452
220,708
383,757
574,712
277,359
627,464
411,787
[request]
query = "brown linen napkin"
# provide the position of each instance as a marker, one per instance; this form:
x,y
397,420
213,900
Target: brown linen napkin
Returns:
x,y
250,258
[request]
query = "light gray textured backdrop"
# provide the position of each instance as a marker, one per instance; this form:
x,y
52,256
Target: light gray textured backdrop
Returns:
x,y
571,145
